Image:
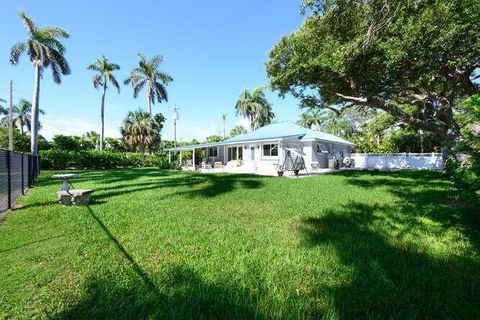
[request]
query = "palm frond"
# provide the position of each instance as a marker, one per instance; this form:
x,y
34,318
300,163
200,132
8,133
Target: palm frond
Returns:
x,y
114,81
114,66
156,61
164,77
93,67
60,60
56,73
16,52
28,22
97,81
54,44
138,87
160,92
56,32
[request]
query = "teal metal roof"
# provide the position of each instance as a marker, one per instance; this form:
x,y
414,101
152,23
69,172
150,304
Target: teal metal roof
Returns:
x,y
196,146
277,130
280,130
318,135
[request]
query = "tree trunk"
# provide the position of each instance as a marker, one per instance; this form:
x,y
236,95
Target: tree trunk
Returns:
x,y
445,152
421,140
102,114
149,105
35,112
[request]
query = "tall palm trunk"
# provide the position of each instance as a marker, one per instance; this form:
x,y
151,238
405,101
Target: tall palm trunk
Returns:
x,y
35,112
149,105
102,113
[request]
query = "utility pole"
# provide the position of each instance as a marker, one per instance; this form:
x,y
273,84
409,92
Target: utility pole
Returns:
x,y
224,117
10,124
175,118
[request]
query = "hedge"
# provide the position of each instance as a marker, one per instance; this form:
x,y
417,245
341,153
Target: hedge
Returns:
x,y
95,159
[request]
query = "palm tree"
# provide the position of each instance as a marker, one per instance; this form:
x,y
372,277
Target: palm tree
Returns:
x,y
263,116
224,118
92,138
311,117
140,130
246,107
255,107
104,75
238,130
147,74
45,50
21,116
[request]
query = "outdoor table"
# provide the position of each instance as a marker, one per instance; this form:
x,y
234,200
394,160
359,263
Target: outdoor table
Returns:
x,y
64,177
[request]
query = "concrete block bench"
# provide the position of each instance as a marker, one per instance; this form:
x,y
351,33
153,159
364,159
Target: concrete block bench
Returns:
x,y
74,196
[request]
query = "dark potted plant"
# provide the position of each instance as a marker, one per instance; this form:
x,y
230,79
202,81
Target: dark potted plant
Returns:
x,y
279,169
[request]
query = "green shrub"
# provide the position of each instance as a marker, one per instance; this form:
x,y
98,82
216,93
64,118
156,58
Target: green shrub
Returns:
x,y
95,159
464,170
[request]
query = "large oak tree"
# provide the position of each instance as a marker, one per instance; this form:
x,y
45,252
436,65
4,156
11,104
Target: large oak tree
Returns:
x,y
413,59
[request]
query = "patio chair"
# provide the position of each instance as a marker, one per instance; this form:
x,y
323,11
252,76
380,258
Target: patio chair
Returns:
x,y
206,164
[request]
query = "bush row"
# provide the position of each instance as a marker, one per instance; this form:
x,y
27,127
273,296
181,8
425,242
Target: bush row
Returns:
x,y
95,159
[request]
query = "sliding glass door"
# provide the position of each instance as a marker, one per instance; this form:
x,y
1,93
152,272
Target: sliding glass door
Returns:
x,y
234,153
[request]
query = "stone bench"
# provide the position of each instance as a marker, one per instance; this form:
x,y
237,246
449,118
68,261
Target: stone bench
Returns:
x,y
74,196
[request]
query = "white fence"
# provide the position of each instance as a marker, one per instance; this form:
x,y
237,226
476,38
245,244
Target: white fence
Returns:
x,y
418,161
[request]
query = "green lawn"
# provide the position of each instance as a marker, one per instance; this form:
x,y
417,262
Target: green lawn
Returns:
x,y
165,244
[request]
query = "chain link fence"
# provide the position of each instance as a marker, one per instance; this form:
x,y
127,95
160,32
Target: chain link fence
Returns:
x,y
17,173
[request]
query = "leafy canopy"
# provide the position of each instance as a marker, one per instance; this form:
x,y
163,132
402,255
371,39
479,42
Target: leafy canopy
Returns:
x,y
141,131
413,59
255,108
238,130
21,116
44,48
147,74
104,74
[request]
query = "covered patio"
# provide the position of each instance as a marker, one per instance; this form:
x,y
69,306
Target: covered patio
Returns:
x,y
215,155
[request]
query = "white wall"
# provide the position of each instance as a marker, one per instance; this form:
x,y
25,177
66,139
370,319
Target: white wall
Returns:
x,y
424,161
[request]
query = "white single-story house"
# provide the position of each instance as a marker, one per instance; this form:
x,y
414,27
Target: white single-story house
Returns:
x,y
265,148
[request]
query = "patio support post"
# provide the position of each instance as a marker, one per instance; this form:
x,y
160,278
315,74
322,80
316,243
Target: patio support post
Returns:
x,y
224,154
169,157
193,159
180,159
280,151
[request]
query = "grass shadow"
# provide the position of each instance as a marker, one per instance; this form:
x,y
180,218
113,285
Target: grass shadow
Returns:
x,y
394,274
424,194
188,185
183,295
180,293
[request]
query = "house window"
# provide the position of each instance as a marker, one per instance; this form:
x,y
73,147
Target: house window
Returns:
x,y
270,150
232,153
212,152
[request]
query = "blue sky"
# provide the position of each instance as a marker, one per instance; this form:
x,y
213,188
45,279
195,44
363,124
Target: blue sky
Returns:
x,y
212,49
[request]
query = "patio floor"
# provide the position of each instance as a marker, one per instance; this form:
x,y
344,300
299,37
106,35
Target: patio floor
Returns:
x,y
266,171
